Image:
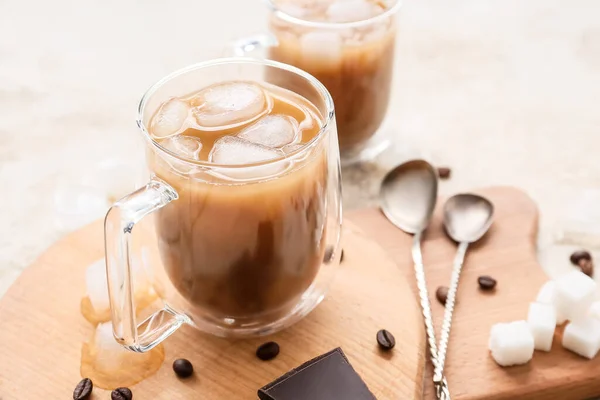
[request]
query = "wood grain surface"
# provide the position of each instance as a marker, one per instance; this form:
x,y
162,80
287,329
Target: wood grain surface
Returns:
x,y
42,332
508,254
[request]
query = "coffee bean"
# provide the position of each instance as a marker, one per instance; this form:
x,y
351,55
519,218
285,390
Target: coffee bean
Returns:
x,y
328,254
486,282
342,256
587,267
183,368
267,351
442,294
580,255
386,340
83,389
121,393
444,172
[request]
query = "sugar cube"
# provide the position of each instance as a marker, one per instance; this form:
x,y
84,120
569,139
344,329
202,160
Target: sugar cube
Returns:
x,y
595,310
546,293
583,337
542,323
574,294
511,343
546,296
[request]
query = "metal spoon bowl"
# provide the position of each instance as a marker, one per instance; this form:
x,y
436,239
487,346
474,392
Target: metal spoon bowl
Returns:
x,y
467,217
408,195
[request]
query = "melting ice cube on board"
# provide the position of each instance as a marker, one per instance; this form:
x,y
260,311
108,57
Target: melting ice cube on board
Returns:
x,y
170,118
109,353
229,104
271,131
97,286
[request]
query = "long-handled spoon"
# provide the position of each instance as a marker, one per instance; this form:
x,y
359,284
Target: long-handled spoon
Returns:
x,y
467,217
408,195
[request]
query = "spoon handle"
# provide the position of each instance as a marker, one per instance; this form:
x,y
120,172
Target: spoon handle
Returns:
x,y
424,297
447,323
441,385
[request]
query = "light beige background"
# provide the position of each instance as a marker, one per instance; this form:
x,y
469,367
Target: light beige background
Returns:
x,y
503,91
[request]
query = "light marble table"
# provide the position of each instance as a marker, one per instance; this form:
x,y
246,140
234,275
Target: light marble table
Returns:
x,y
504,92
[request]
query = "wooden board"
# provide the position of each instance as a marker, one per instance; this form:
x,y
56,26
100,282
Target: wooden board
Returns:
x,y
507,253
42,332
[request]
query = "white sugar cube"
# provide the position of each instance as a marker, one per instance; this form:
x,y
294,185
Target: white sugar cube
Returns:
x,y
546,296
595,310
583,337
542,323
511,343
546,293
574,294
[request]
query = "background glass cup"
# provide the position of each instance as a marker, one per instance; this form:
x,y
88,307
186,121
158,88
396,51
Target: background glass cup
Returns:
x,y
231,257
354,60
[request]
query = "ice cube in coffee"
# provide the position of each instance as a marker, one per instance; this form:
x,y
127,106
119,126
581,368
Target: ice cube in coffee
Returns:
x,y
349,46
245,238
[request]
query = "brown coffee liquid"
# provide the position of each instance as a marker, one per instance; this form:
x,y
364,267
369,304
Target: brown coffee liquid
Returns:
x,y
242,245
354,64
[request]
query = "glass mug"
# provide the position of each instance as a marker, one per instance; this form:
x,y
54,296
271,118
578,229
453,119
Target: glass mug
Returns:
x,y
354,60
230,257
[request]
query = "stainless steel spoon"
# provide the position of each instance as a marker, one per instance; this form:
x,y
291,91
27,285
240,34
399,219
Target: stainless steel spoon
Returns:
x,y
407,196
467,217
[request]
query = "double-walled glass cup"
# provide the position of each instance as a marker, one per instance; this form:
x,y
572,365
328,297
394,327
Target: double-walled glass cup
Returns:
x,y
354,60
234,250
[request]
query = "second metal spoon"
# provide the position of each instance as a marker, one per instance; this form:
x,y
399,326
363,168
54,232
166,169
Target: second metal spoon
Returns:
x,y
467,217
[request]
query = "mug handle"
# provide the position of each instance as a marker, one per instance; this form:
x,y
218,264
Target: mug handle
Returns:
x,y
118,228
244,47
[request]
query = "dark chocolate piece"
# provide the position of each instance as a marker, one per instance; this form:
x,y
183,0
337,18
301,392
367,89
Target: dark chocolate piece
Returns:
x,y
326,377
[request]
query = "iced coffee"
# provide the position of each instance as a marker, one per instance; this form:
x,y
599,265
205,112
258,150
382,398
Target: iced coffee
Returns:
x,y
245,238
349,46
